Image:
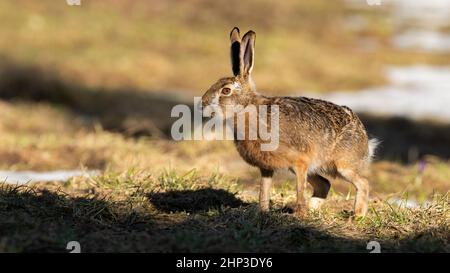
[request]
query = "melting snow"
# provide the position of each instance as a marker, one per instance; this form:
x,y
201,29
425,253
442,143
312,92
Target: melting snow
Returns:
x,y
413,92
426,41
24,177
402,203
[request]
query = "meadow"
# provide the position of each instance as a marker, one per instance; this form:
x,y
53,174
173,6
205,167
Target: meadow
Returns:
x,y
91,87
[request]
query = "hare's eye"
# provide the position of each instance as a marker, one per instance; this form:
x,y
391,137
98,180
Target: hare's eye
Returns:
x,y
226,91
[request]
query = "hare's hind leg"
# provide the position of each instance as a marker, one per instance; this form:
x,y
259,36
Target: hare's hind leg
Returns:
x,y
362,190
264,191
362,195
321,188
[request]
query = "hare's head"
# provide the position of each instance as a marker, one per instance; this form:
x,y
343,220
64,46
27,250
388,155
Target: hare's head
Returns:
x,y
240,88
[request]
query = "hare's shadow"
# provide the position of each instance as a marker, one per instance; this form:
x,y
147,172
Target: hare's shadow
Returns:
x,y
194,200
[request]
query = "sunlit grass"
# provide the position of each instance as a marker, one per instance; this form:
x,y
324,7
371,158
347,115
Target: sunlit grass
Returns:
x,y
168,219
42,137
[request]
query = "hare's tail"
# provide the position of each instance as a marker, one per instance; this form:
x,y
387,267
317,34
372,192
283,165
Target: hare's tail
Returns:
x,y
373,144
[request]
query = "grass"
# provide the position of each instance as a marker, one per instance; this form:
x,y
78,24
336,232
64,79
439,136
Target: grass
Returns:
x,y
39,136
161,196
143,215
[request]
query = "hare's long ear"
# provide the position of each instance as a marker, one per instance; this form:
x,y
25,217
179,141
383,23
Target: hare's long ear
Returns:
x,y
236,61
248,52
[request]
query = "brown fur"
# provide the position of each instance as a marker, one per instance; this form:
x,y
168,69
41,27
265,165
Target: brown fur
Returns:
x,y
317,138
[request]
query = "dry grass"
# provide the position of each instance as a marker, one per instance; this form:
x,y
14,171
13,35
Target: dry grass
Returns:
x,y
151,45
158,195
137,211
42,137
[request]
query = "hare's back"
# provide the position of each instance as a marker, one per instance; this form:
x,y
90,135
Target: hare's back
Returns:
x,y
323,123
316,113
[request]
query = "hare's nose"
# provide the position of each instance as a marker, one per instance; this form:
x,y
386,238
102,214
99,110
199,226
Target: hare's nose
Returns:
x,y
205,101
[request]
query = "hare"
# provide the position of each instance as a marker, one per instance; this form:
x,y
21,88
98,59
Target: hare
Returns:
x,y
318,140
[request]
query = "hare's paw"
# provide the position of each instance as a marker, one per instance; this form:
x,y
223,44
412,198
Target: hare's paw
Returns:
x,y
264,206
315,203
301,211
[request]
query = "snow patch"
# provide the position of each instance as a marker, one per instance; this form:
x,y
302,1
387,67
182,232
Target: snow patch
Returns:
x,y
414,92
25,177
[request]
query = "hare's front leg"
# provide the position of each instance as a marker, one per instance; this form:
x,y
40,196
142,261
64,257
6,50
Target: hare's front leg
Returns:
x,y
301,173
264,191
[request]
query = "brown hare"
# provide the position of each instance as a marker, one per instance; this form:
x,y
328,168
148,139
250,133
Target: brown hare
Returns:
x,y
318,140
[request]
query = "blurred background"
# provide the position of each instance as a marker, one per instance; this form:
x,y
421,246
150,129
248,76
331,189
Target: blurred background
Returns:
x,y
91,86
86,93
